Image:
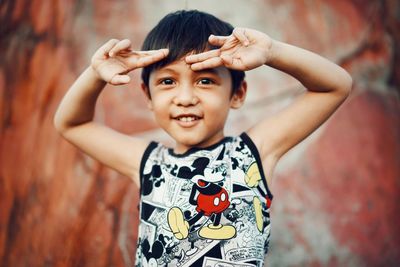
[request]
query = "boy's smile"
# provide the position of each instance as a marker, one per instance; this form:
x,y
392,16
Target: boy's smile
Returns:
x,y
187,120
191,106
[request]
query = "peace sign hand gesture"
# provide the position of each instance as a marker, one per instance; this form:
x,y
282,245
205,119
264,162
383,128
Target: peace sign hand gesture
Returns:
x,y
115,59
244,49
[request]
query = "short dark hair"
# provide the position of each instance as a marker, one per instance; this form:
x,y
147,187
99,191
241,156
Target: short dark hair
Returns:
x,y
183,32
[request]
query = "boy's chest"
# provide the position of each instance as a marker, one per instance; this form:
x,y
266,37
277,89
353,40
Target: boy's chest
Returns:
x,y
199,201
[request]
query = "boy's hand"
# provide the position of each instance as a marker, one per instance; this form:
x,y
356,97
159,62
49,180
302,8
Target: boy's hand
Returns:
x,y
115,59
244,49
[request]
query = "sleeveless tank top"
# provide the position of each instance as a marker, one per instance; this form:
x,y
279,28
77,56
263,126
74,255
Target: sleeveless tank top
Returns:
x,y
207,207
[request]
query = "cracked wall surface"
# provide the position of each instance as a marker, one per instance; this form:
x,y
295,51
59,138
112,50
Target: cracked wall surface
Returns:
x,y
336,194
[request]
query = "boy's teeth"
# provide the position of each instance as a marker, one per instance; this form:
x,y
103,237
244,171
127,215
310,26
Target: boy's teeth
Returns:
x,y
187,119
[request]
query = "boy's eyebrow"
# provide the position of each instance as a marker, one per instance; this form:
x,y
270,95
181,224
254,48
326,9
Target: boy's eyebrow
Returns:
x,y
211,70
166,69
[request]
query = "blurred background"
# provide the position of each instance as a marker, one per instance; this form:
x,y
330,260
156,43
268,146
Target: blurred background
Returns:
x,y
337,194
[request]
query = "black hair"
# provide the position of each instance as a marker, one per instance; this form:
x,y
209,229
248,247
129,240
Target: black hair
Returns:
x,y
183,32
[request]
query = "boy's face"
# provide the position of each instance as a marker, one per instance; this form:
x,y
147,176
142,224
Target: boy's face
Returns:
x,y
192,106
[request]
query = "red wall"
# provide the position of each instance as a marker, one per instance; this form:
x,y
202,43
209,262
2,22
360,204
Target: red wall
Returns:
x,y
336,194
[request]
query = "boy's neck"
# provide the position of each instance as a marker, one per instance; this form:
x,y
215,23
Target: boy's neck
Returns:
x,y
181,148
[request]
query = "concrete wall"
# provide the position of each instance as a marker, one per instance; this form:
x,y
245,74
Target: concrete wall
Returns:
x,y
337,194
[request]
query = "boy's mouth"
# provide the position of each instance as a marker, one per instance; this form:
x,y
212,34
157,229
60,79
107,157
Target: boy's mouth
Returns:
x,y
191,118
187,119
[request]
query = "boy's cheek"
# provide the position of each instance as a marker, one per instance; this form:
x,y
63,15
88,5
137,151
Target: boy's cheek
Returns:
x,y
150,104
147,93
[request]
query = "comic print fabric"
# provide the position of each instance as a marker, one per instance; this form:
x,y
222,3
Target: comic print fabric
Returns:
x,y
206,207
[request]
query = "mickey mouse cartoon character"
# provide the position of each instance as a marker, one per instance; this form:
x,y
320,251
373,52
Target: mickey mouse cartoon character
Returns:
x,y
252,179
210,198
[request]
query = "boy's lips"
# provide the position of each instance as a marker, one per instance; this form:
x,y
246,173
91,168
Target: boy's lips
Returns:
x,y
187,120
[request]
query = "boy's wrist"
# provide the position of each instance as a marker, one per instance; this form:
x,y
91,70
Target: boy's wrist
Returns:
x,y
273,52
95,75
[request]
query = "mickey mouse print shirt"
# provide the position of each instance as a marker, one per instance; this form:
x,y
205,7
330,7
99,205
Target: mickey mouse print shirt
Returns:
x,y
206,207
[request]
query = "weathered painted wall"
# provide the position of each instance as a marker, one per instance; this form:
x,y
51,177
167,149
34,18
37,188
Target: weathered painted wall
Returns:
x,y
336,194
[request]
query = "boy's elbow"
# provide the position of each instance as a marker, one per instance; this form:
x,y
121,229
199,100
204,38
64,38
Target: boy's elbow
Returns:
x,y
58,124
346,84
60,129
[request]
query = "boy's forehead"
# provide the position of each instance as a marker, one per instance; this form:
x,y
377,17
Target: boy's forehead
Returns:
x,y
180,65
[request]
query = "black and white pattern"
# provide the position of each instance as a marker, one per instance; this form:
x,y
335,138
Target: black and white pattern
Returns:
x,y
206,207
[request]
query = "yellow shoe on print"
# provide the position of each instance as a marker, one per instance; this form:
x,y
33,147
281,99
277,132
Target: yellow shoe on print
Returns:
x,y
219,232
258,212
252,176
177,223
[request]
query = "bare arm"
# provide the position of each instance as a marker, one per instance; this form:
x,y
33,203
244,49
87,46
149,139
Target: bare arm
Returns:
x,y
74,116
327,85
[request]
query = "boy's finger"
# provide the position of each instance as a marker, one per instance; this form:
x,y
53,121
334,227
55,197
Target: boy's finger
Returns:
x,y
121,45
217,40
163,51
240,34
207,64
104,49
146,60
202,56
227,60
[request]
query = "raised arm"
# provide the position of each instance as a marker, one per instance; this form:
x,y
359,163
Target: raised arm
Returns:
x,y
327,85
74,116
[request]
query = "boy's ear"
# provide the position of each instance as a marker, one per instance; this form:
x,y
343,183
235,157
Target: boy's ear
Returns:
x,y
146,92
238,98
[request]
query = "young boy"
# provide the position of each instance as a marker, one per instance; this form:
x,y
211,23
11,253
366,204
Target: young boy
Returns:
x,y
205,201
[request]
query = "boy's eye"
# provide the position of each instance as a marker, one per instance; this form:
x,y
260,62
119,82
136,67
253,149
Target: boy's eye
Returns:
x,y
206,81
167,81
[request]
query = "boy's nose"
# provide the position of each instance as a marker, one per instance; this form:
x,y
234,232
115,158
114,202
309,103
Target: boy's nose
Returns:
x,y
185,96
